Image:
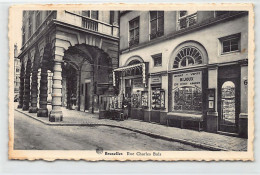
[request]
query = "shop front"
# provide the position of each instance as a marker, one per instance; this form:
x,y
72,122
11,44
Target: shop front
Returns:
x,y
157,99
132,83
187,99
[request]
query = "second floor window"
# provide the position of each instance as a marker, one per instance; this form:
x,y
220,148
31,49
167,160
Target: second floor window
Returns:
x,y
230,43
156,23
186,19
91,14
134,32
157,59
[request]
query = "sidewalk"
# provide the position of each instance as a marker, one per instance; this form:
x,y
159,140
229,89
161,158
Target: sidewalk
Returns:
x,y
205,140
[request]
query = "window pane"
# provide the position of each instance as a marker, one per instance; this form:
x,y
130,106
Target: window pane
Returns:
x,y
160,13
94,14
153,15
136,32
234,47
234,41
131,34
131,24
153,26
136,23
183,13
226,43
161,24
226,49
86,13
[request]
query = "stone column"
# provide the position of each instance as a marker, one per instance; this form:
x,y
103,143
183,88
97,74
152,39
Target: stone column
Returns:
x,y
34,94
26,97
56,113
43,111
212,117
243,116
21,88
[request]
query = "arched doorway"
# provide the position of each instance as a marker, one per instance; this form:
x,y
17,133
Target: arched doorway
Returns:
x,y
228,99
86,76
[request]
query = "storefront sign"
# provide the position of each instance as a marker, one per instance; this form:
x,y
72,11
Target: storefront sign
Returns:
x,y
138,83
187,79
187,91
156,80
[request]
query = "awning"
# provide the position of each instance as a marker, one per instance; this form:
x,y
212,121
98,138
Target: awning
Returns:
x,y
142,66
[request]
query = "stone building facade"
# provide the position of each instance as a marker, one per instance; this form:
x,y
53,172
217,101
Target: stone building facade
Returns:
x,y
67,59
186,68
17,68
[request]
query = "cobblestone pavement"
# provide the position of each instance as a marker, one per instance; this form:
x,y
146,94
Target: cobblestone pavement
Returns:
x,y
203,139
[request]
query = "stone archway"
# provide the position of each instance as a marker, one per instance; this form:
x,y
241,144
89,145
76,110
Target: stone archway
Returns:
x,y
86,74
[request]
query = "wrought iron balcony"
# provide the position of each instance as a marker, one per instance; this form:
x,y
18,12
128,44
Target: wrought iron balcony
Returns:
x,y
187,21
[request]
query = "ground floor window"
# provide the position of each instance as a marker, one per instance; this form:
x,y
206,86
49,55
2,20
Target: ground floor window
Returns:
x,y
156,98
187,92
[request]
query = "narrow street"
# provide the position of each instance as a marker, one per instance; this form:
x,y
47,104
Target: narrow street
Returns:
x,y
33,135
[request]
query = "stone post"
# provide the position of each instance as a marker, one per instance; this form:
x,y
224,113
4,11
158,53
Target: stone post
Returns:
x,y
21,88
56,113
43,111
212,116
26,97
34,94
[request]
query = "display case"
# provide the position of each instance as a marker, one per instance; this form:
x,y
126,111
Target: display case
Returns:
x,y
144,99
156,98
162,96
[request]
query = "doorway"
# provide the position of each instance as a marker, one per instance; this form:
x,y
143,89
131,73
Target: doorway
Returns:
x,y
228,105
87,96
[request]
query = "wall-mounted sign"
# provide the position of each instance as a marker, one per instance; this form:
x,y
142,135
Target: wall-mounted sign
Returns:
x,y
138,83
156,80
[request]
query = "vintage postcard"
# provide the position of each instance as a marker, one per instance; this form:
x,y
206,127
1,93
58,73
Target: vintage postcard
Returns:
x,y
123,82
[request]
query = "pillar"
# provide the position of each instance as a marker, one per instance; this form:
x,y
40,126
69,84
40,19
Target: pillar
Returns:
x,y
43,111
21,88
56,113
212,117
243,116
34,94
26,97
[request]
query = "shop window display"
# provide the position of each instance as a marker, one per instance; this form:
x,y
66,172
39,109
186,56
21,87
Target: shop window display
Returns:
x,y
187,92
156,98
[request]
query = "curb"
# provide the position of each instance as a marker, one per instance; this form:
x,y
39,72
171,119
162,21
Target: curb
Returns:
x,y
183,141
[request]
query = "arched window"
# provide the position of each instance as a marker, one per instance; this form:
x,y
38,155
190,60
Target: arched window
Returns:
x,y
134,62
187,56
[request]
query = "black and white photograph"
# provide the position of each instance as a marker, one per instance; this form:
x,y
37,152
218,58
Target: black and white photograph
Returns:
x,y
148,82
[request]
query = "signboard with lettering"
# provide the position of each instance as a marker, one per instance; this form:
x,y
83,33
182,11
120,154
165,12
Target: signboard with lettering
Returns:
x,y
187,91
138,83
156,80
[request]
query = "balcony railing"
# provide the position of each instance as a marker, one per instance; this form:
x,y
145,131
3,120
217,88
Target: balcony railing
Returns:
x,y
187,21
90,24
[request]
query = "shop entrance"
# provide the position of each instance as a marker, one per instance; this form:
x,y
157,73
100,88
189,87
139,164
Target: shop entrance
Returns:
x,y
228,105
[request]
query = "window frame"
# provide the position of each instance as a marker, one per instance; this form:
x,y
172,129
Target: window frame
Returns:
x,y
136,38
157,56
229,38
157,32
